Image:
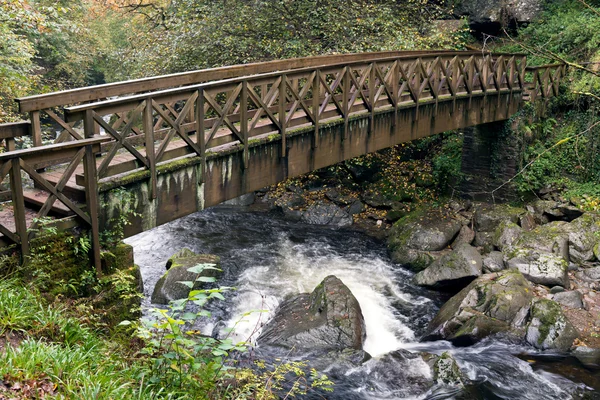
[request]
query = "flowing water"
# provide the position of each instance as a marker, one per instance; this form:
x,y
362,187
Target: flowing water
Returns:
x,y
268,259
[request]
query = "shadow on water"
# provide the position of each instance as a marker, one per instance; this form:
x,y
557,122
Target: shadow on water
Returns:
x,y
269,259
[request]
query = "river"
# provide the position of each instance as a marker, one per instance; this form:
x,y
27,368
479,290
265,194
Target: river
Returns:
x,y
268,258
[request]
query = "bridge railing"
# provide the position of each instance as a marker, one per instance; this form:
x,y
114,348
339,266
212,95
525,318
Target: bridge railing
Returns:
x,y
50,106
17,163
545,80
240,109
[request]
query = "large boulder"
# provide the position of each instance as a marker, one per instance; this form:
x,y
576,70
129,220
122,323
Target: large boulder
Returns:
x,y
541,254
329,318
169,286
492,303
321,213
414,237
570,299
583,236
542,268
487,217
493,262
490,15
453,269
548,327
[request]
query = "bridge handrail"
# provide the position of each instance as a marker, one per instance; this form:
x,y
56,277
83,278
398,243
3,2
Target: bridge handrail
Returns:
x,y
73,111
51,149
91,93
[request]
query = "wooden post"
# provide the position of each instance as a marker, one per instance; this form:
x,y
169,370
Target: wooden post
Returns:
x,y
346,100
395,88
149,140
36,128
282,108
18,202
316,105
372,94
200,137
244,122
91,199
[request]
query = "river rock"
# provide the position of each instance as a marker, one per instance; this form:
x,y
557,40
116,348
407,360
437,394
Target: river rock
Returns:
x,y
447,372
415,236
169,288
321,213
583,236
542,268
588,356
492,303
241,201
571,299
597,251
453,269
541,254
488,217
506,234
493,262
549,328
329,318
489,16
466,235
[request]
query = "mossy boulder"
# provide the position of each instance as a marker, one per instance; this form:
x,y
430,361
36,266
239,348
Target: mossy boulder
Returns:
x,y
542,268
506,234
541,254
492,303
169,286
583,237
487,218
118,257
329,318
597,251
549,328
454,269
414,238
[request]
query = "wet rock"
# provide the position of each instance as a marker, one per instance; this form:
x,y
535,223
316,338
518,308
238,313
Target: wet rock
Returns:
x,y
493,262
169,288
588,356
329,318
447,372
377,200
549,328
571,299
487,217
465,236
490,304
290,200
242,201
321,213
356,208
462,265
414,237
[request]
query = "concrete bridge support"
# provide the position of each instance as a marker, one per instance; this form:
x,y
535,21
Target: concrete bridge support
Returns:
x,y
491,157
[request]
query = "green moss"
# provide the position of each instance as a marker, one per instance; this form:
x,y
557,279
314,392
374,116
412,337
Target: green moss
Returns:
x,y
548,313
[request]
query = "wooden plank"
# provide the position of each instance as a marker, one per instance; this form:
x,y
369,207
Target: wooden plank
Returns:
x,y
91,197
15,129
19,205
37,198
52,151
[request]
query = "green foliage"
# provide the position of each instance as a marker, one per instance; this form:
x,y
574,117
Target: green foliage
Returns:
x,y
447,163
186,35
116,231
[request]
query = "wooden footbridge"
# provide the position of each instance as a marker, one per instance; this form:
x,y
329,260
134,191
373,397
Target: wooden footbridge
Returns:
x,y
156,149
